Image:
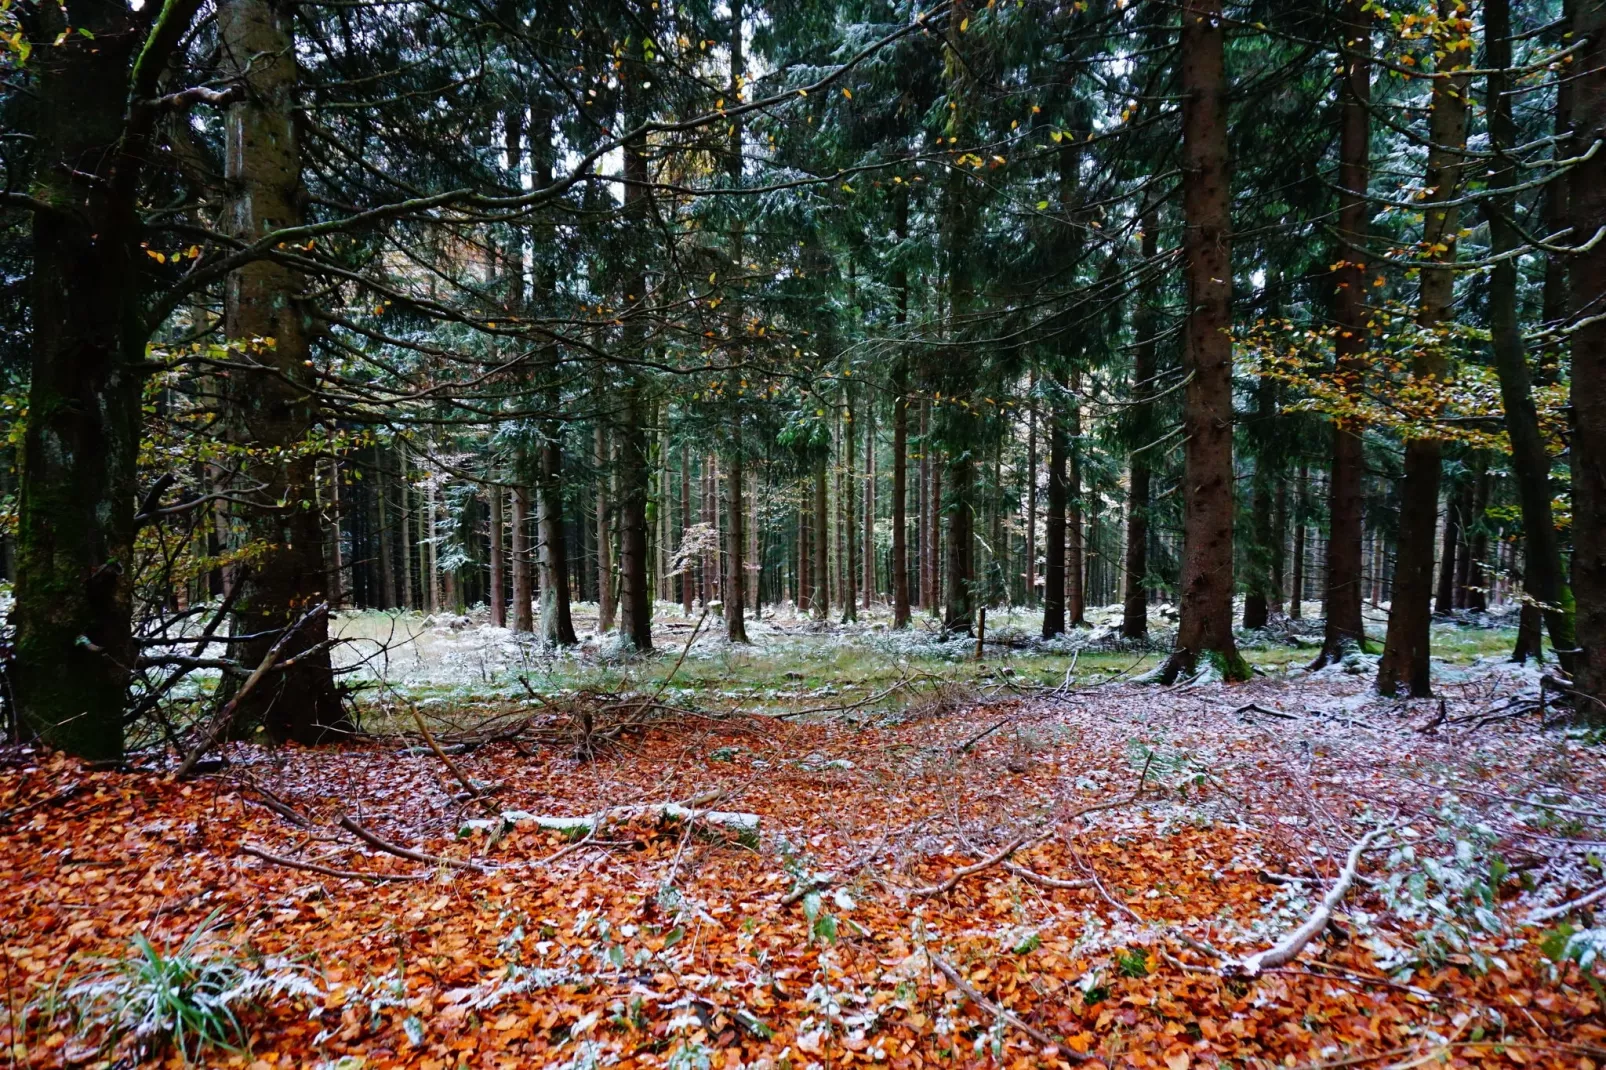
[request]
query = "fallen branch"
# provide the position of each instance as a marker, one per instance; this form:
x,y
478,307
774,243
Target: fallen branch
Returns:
x,y
1563,909
987,863
821,881
1053,1046
220,723
49,800
474,790
406,852
787,715
313,867
744,825
1252,707
1038,878
1288,949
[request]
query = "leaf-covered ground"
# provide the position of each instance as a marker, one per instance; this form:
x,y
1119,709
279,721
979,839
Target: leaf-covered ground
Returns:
x,y
1163,836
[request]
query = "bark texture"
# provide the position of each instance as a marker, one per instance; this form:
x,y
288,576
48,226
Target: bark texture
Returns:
x,y
1542,578
1587,197
1204,634
1406,647
271,393
77,489
1344,629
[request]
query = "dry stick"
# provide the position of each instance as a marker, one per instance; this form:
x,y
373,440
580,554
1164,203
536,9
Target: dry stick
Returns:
x,y
690,639
220,724
50,800
1047,882
1561,909
313,867
900,685
992,860
1288,949
474,790
406,852
1003,1015
825,880
1029,841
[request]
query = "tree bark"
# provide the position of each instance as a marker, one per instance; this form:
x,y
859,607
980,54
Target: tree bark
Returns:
x,y
1054,530
1075,565
497,601
1542,578
602,460
850,516
736,575
1146,324
1406,647
1205,630
1444,598
552,548
77,485
819,528
1344,628
635,591
271,393
523,580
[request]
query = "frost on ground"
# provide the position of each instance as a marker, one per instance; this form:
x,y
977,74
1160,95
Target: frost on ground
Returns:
x,y
1028,879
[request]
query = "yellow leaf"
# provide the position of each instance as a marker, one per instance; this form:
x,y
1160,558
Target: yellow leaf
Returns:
x,y
964,26
160,258
847,93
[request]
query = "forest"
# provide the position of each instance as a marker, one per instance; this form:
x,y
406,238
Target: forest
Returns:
x,y
789,534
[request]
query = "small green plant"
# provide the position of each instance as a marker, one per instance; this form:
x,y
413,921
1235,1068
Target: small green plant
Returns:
x,y
190,997
1132,963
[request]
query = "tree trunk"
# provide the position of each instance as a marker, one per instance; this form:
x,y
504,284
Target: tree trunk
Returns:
x,y
819,528
603,462
850,517
387,572
735,574
523,580
1406,648
497,496
271,395
1344,628
1445,597
1054,530
899,565
1257,593
1075,575
1205,631
1542,579
868,546
552,545
77,485
1146,324
1296,583
688,578
635,591
959,607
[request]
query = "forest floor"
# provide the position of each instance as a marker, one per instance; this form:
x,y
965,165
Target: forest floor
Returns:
x,y
1023,860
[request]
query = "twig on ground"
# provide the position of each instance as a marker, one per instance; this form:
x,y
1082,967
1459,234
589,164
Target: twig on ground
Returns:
x,y
314,867
987,863
474,789
220,724
1288,949
53,799
1038,878
1563,909
372,840
1003,1015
